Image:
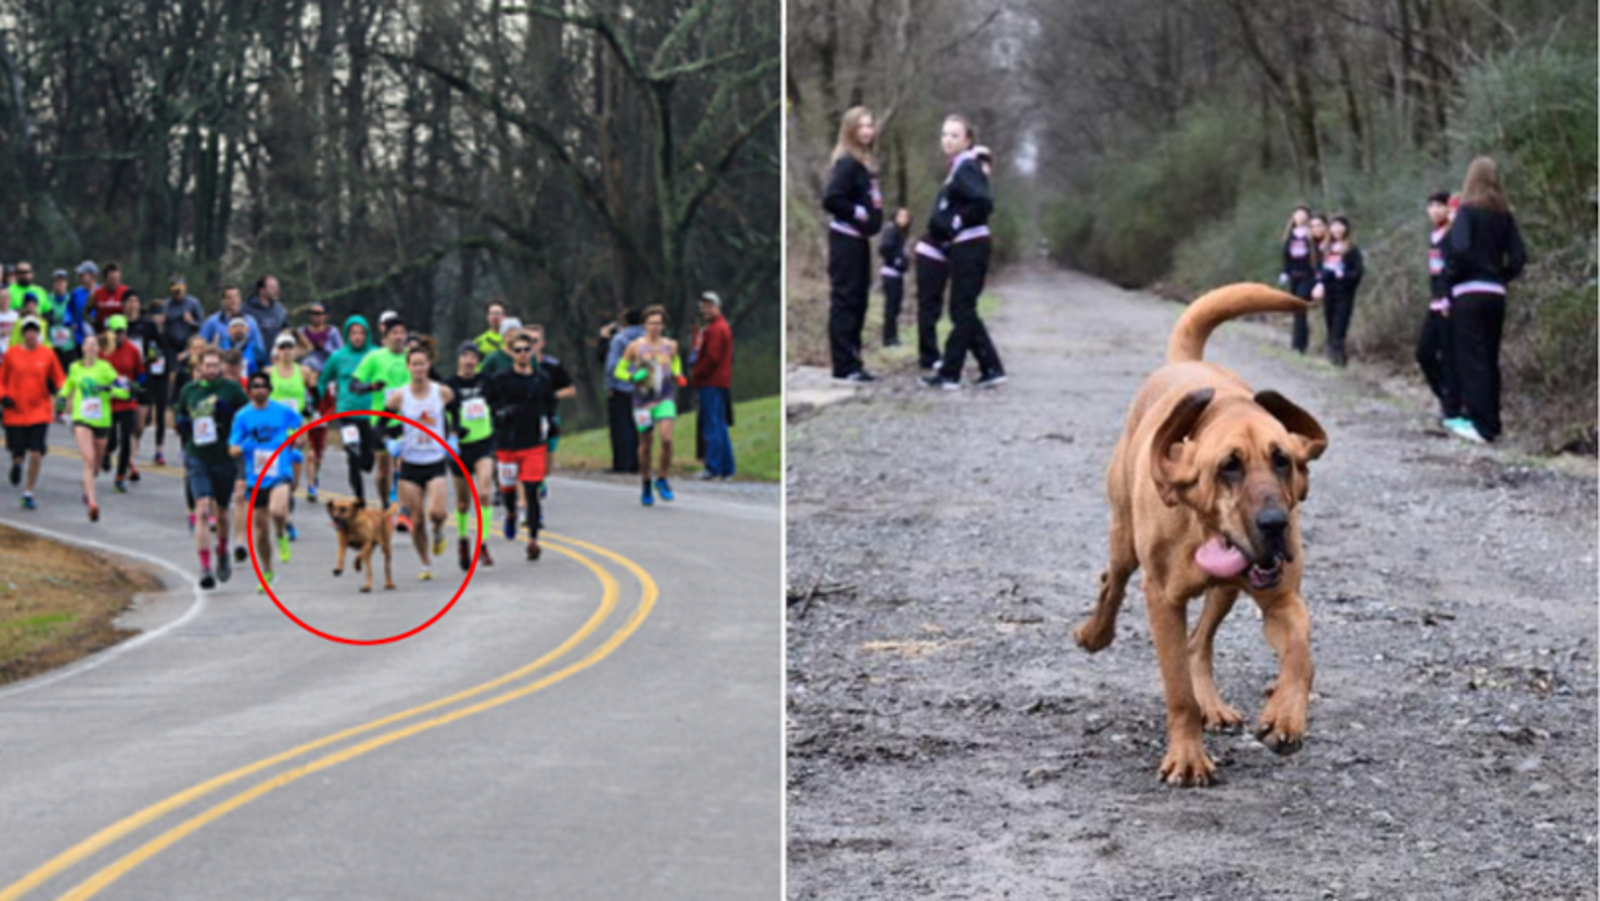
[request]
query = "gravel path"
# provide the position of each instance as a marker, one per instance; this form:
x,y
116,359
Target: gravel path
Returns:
x,y
947,738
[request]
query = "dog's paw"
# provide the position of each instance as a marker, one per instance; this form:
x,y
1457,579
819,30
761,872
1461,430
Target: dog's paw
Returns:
x,y
366,589
1092,637
1187,764
1282,726
389,587
1220,717
338,572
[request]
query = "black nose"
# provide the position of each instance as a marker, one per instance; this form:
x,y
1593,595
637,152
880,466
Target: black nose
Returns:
x,y
1272,521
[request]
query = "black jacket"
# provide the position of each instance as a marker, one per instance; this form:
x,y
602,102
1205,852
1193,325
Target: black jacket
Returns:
x,y
1483,246
852,196
1438,281
964,201
892,248
1342,272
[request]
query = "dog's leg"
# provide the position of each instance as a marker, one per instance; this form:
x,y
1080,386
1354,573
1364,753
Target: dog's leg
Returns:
x,y
1186,762
1214,711
1287,624
1098,631
364,560
388,566
344,544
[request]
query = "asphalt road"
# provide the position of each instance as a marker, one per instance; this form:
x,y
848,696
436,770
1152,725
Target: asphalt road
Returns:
x,y
604,723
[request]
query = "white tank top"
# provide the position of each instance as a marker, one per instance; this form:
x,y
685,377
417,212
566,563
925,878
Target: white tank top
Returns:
x,y
415,445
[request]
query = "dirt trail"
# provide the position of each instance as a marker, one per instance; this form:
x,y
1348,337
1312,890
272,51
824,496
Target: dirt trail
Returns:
x,y
948,739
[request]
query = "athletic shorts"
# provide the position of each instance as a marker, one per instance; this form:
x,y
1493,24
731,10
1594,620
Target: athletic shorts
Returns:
x,y
213,480
525,465
99,433
470,454
645,418
23,438
318,438
423,473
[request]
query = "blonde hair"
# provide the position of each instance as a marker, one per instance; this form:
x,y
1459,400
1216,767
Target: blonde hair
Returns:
x,y
848,144
1482,187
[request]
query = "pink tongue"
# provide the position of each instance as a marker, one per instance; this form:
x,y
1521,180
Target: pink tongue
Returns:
x,y
1219,560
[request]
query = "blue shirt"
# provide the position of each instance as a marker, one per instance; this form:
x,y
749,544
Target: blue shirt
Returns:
x,y
75,312
260,431
215,331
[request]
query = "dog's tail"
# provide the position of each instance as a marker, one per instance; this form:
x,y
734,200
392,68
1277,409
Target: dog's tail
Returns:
x,y
1188,341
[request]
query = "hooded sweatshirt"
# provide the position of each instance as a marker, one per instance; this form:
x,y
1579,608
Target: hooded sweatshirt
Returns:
x,y
619,346
341,366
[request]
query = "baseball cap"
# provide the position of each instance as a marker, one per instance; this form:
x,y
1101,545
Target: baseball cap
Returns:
x,y
59,273
284,341
117,323
387,315
175,281
467,346
712,298
238,320
31,322
510,324
87,267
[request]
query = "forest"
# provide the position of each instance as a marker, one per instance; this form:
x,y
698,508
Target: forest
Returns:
x,y
1162,144
424,156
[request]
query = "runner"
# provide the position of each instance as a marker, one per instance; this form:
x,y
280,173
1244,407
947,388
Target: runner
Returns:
x,y
146,331
90,383
383,370
205,411
523,400
355,432
29,375
491,340
106,301
24,288
58,331
423,482
318,342
258,431
129,363
233,370
470,419
293,385
652,364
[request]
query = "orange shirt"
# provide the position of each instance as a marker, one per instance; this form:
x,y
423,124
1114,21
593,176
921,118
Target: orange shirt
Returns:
x,y
30,378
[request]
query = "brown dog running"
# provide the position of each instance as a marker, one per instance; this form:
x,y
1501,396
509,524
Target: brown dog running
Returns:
x,y
365,530
1204,486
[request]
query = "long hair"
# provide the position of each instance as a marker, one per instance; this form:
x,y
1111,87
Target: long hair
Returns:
x,y
1288,227
848,143
966,126
1482,188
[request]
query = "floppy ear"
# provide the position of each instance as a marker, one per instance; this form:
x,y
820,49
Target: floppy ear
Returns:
x,y
1175,467
1313,440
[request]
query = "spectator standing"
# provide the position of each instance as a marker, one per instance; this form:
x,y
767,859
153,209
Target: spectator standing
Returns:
x,y
619,396
712,376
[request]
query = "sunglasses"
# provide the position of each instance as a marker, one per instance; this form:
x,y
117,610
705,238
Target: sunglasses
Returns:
x,y
319,312
522,349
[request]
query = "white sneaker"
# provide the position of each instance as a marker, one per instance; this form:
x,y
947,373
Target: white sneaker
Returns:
x,y
1463,428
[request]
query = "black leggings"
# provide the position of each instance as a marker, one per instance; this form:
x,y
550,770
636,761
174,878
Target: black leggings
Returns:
x,y
932,276
158,410
894,289
969,268
1436,354
530,493
359,456
849,277
1300,286
1478,323
124,423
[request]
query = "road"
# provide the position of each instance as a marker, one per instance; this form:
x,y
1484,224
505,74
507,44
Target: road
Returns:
x,y
604,723
948,739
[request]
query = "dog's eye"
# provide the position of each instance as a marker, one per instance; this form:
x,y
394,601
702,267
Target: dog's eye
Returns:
x,y
1280,460
1232,468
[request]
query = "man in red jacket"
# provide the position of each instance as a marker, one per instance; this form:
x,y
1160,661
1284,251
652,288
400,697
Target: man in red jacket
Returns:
x,y
30,375
712,376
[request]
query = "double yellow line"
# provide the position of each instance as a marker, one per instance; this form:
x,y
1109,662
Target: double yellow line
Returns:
x,y
570,547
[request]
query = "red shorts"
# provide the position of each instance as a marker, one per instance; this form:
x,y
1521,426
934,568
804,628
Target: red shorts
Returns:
x,y
526,465
319,435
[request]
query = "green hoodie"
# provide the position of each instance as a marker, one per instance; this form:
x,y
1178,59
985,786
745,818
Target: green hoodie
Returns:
x,y
342,366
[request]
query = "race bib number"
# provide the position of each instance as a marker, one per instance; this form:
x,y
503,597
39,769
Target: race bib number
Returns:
x,y
205,431
158,366
350,435
544,428
475,410
508,472
261,457
90,408
1435,261
641,416
138,345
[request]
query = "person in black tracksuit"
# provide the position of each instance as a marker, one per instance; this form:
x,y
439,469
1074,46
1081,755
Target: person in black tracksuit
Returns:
x,y
892,249
1299,272
1342,269
1436,352
960,223
853,199
933,276
1483,254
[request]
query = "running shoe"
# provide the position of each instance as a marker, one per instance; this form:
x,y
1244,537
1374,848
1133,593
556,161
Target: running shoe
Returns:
x,y
438,543
484,557
938,381
261,588
664,490
425,576
402,522
533,549
283,548
463,554
207,580
240,554
121,487
94,512
992,379
859,377
224,567
1465,429
16,474
160,459
28,502
647,498
133,471
292,532
311,492
511,525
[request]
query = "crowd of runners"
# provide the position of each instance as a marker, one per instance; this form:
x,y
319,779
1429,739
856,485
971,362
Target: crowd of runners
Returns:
x,y
239,385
